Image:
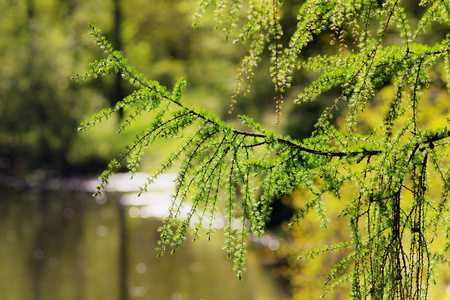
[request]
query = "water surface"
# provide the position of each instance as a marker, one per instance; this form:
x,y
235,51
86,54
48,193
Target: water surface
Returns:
x,y
68,245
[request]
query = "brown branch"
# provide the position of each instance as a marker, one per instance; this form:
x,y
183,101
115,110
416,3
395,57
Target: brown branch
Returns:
x,y
366,153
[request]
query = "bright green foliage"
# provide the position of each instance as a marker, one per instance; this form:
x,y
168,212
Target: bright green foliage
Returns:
x,y
394,214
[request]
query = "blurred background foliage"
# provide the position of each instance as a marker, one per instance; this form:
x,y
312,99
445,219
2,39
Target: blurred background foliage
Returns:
x,y
45,42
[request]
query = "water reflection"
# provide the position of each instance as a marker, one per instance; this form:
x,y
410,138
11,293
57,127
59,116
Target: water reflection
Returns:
x,y
58,244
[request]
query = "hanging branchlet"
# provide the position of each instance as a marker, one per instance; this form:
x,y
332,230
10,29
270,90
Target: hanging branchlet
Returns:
x,y
276,51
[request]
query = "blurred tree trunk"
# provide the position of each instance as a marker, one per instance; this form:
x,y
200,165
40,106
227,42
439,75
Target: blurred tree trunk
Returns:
x,y
117,95
117,90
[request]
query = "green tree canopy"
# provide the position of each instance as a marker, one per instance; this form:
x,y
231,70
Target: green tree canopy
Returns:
x,y
399,223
